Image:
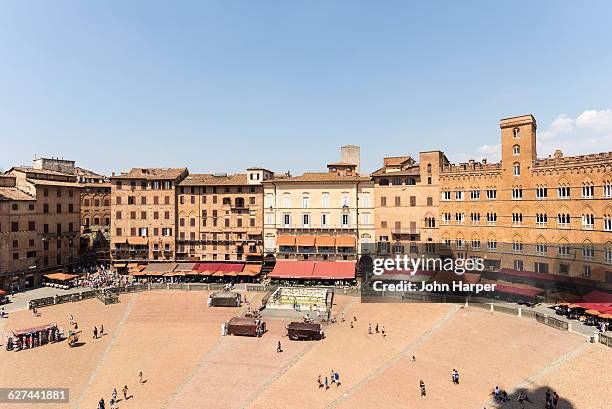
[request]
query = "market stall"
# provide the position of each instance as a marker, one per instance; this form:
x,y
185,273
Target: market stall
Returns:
x,y
33,337
250,327
224,299
60,280
304,331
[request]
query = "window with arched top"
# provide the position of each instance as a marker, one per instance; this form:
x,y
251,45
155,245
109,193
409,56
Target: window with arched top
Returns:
x,y
429,168
516,169
516,150
516,132
429,180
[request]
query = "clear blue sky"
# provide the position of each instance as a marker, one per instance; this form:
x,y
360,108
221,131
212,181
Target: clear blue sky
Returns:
x,y
220,86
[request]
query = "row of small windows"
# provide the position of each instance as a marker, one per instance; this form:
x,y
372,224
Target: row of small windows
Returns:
x,y
400,181
563,219
541,192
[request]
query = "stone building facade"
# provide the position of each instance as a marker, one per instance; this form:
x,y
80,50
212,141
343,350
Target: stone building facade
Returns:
x,y
319,216
144,213
406,198
550,215
49,241
221,216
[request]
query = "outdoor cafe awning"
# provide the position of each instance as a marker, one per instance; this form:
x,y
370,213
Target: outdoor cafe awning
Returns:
x,y
251,270
119,265
285,240
292,269
219,269
305,241
345,241
326,241
334,270
61,276
138,241
132,265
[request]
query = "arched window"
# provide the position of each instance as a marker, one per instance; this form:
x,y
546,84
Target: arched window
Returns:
x,y
429,168
516,169
429,180
516,150
516,132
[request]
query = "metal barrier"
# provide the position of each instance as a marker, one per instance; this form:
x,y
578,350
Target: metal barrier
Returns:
x,y
606,340
552,322
505,310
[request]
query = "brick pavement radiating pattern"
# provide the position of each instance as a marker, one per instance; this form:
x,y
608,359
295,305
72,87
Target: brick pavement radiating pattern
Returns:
x,y
174,338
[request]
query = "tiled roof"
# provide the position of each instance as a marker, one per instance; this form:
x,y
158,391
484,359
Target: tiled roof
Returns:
x,y
46,182
86,172
30,170
411,171
212,180
152,173
13,193
396,160
320,177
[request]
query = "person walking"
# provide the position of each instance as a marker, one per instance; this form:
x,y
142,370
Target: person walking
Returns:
x,y
101,329
383,332
369,328
555,399
114,394
140,376
337,378
423,390
326,383
101,403
319,382
125,392
342,315
95,333
376,329
279,348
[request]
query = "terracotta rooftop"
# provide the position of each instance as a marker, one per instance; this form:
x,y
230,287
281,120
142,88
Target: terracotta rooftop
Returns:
x,y
396,160
319,177
152,173
48,182
207,179
13,193
30,171
86,172
411,171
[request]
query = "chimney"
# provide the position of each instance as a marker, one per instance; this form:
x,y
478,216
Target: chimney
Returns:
x,y
484,161
558,154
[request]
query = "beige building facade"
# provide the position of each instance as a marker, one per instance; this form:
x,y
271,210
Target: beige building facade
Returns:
x,y
320,216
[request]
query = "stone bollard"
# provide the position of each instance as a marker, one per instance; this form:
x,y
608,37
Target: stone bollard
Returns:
x,y
520,312
492,309
569,326
466,302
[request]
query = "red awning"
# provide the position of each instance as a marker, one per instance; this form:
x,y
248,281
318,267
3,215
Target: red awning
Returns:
x,y
601,307
509,289
223,267
598,297
2,292
547,277
334,270
292,269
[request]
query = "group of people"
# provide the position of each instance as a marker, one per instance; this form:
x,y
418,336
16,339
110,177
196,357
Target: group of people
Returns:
x,y
101,277
381,331
113,400
334,377
97,332
126,394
